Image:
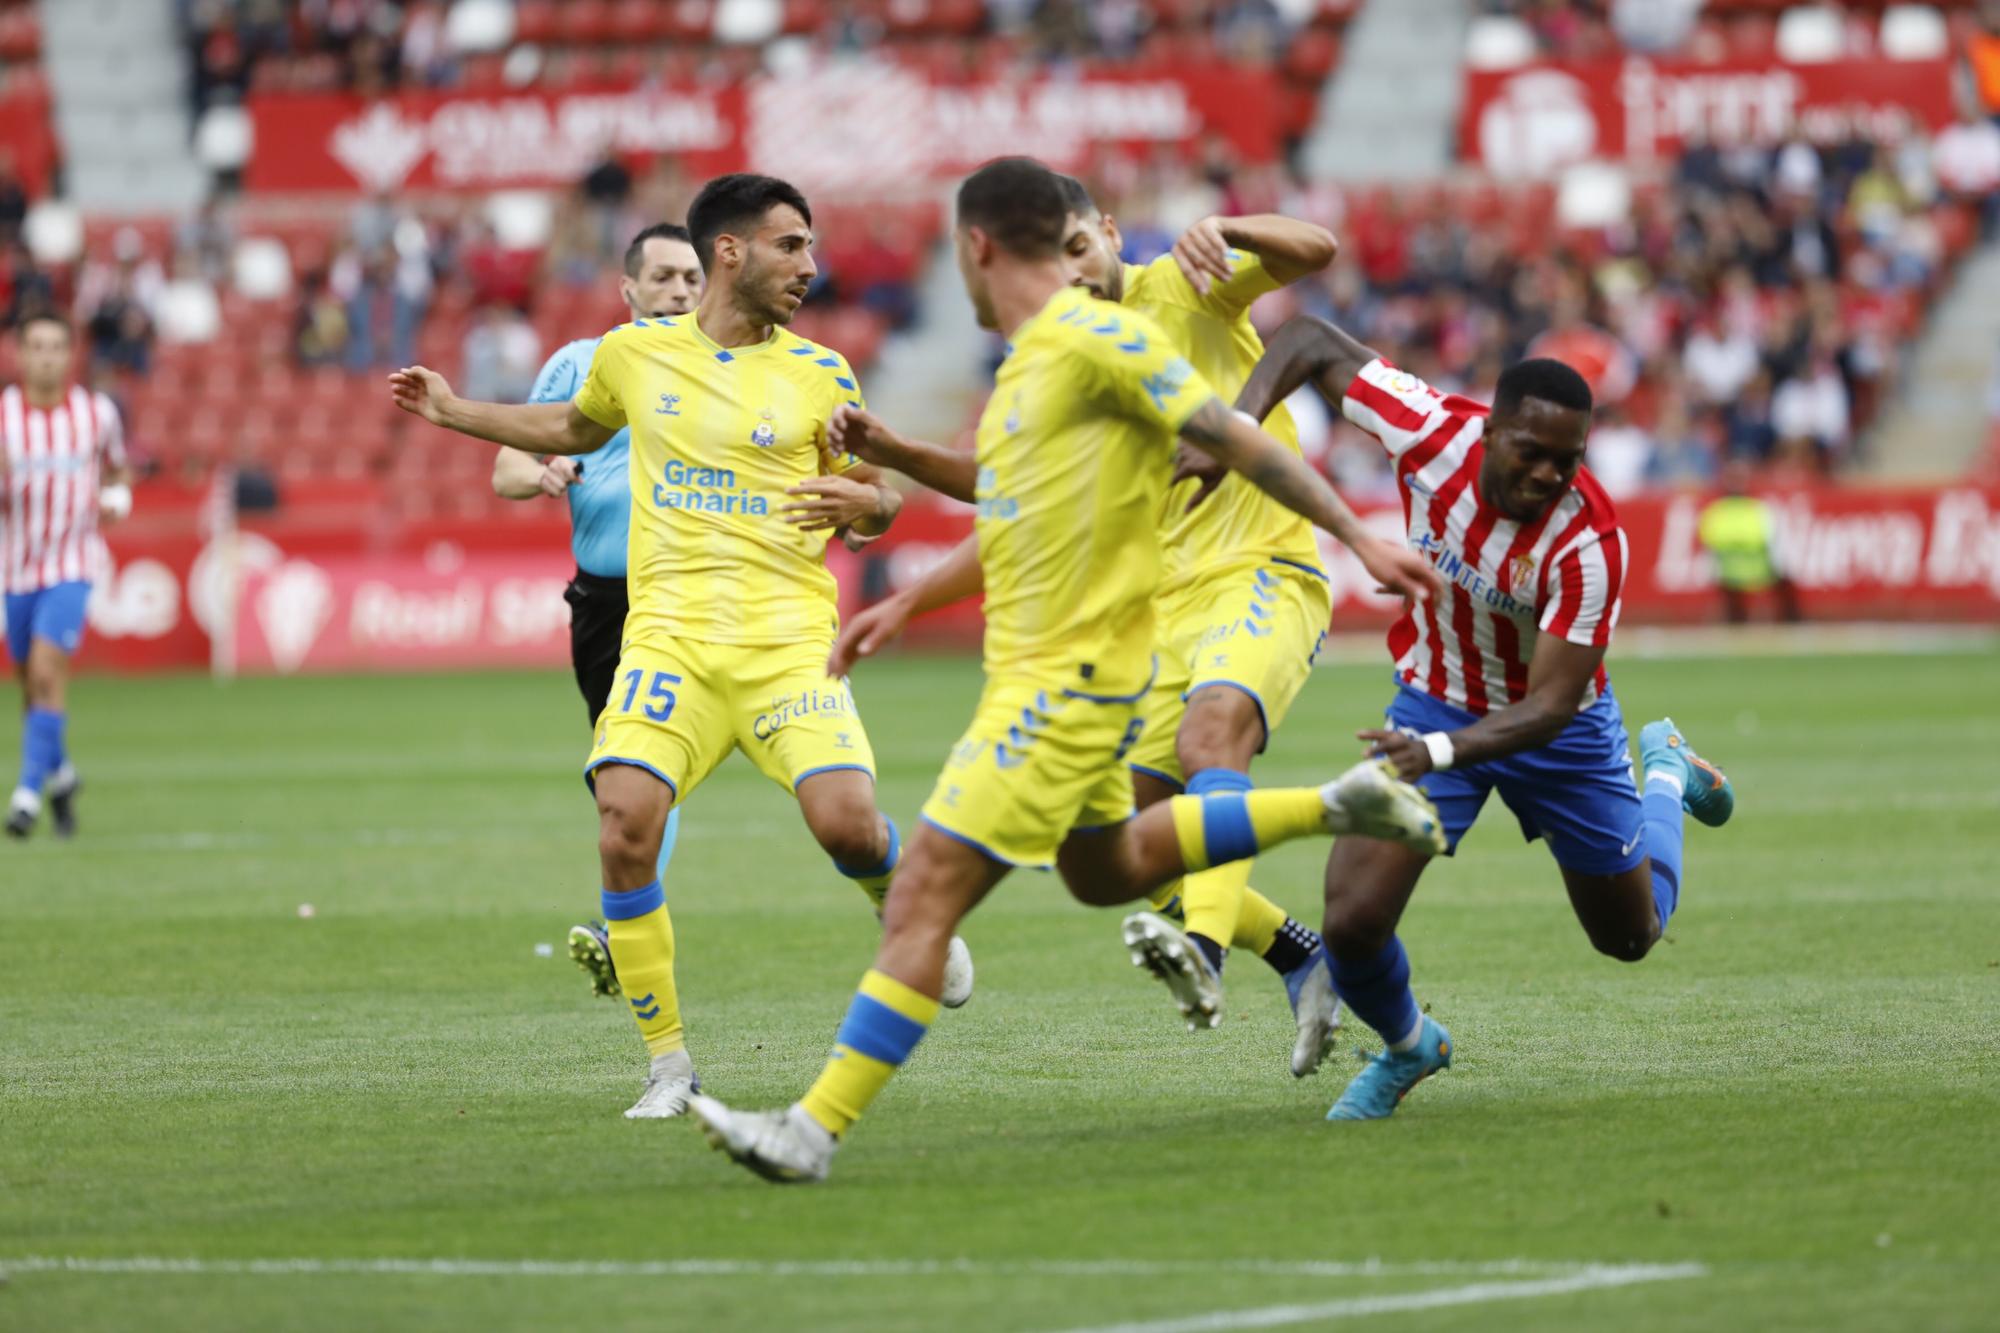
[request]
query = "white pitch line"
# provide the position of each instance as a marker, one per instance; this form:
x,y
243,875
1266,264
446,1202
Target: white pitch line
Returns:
x,y
858,1268
1478,1293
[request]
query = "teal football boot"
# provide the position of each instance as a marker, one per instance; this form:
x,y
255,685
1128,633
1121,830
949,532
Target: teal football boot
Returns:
x,y
1705,790
1387,1078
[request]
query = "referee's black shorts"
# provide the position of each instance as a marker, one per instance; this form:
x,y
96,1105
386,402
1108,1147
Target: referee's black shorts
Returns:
x,y
596,633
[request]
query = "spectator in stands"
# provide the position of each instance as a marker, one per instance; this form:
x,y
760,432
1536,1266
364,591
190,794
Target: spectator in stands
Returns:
x,y
1982,53
1719,361
1620,452
221,58
319,330
1118,27
1967,159
389,282
24,287
1683,453
1654,27
502,354
1812,405
425,57
13,198
208,238
1748,432
1251,31
118,303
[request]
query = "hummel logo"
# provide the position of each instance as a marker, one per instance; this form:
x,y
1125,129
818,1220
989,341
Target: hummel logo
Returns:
x,y
670,405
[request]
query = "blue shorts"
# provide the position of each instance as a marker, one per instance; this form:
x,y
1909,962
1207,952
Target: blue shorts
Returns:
x,y
55,613
1577,792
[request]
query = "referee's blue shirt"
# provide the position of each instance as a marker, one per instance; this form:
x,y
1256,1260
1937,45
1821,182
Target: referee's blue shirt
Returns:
x,y
600,504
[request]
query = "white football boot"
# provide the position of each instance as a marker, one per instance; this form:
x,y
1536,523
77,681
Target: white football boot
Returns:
x,y
1316,1009
957,975
1164,949
668,1086
788,1146
1369,799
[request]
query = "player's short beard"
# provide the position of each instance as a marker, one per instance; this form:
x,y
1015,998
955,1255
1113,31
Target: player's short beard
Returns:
x,y
755,297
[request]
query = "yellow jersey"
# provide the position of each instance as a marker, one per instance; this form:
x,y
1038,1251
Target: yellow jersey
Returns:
x,y
1238,522
1075,449
718,436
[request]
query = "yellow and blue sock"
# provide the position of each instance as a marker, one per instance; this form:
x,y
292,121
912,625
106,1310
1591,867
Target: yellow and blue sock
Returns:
x,y
41,747
874,880
1213,898
1221,827
642,950
883,1025
1377,989
1664,832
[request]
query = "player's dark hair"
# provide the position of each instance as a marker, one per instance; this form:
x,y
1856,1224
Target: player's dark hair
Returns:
x,y
735,203
1019,203
1544,378
44,315
1076,196
635,253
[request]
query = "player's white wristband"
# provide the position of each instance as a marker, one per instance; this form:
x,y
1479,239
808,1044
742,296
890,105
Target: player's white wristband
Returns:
x,y
115,500
1246,418
1439,744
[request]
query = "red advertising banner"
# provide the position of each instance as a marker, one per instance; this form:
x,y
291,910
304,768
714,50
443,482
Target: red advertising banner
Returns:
x,y
314,597
1537,119
854,125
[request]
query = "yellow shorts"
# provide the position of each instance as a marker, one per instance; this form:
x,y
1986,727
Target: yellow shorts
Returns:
x,y
1255,627
1036,763
679,706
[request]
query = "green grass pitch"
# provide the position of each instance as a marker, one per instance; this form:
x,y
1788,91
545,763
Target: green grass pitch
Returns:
x,y
1791,1112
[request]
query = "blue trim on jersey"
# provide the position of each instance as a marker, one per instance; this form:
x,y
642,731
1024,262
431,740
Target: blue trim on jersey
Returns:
x,y
595,764
830,768
980,847
1157,775
1118,698
1319,574
724,356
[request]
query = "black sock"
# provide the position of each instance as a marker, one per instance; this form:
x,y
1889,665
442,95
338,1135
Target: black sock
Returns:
x,y
1210,950
1293,946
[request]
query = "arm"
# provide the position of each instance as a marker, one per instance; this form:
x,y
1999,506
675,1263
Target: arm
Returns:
x,y
1306,348
519,476
1558,676
535,428
857,501
952,579
114,478
1234,440
1289,248
941,467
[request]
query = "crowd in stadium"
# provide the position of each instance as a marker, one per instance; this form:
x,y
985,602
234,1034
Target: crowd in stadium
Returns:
x,y
1750,304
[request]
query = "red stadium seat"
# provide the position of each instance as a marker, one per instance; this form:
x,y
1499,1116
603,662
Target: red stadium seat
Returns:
x,y
587,22
535,21
20,34
640,21
1312,55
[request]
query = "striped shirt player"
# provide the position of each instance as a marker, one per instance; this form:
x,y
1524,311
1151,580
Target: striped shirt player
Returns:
x,y
62,453
1500,681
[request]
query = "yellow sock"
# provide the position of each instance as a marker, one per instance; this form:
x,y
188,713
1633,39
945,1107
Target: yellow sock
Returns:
x,y
642,949
1214,899
1257,923
1166,900
884,1024
1222,827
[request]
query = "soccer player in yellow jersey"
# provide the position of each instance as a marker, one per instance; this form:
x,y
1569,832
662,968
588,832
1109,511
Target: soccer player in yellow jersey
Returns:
x,y
1075,449
1242,606
734,492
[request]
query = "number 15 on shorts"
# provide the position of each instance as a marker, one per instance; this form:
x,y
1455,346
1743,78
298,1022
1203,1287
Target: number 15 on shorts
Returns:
x,y
658,698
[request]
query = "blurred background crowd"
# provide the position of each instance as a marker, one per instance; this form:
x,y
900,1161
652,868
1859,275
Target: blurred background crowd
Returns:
x,y
1751,300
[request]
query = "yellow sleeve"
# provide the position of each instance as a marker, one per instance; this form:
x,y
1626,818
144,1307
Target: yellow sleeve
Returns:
x,y
598,398
1225,300
1138,371
846,388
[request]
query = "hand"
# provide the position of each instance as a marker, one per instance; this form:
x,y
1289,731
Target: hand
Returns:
x,y
422,391
114,502
867,634
558,475
1202,466
857,431
1411,756
1202,252
836,502
1398,570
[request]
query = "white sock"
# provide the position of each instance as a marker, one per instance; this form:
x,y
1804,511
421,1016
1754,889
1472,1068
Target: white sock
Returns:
x,y
25,801
1667,778
1408,1041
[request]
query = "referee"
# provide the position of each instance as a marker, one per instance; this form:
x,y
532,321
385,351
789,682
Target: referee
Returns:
x,y
662,277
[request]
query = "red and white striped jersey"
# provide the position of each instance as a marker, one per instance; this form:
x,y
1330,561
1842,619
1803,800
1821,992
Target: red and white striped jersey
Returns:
x,y
51,460
1561,574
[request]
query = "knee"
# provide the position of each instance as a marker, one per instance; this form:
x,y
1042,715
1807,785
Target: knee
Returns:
x,y
1357,929
1223,728
853,837
1625,946
625,835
